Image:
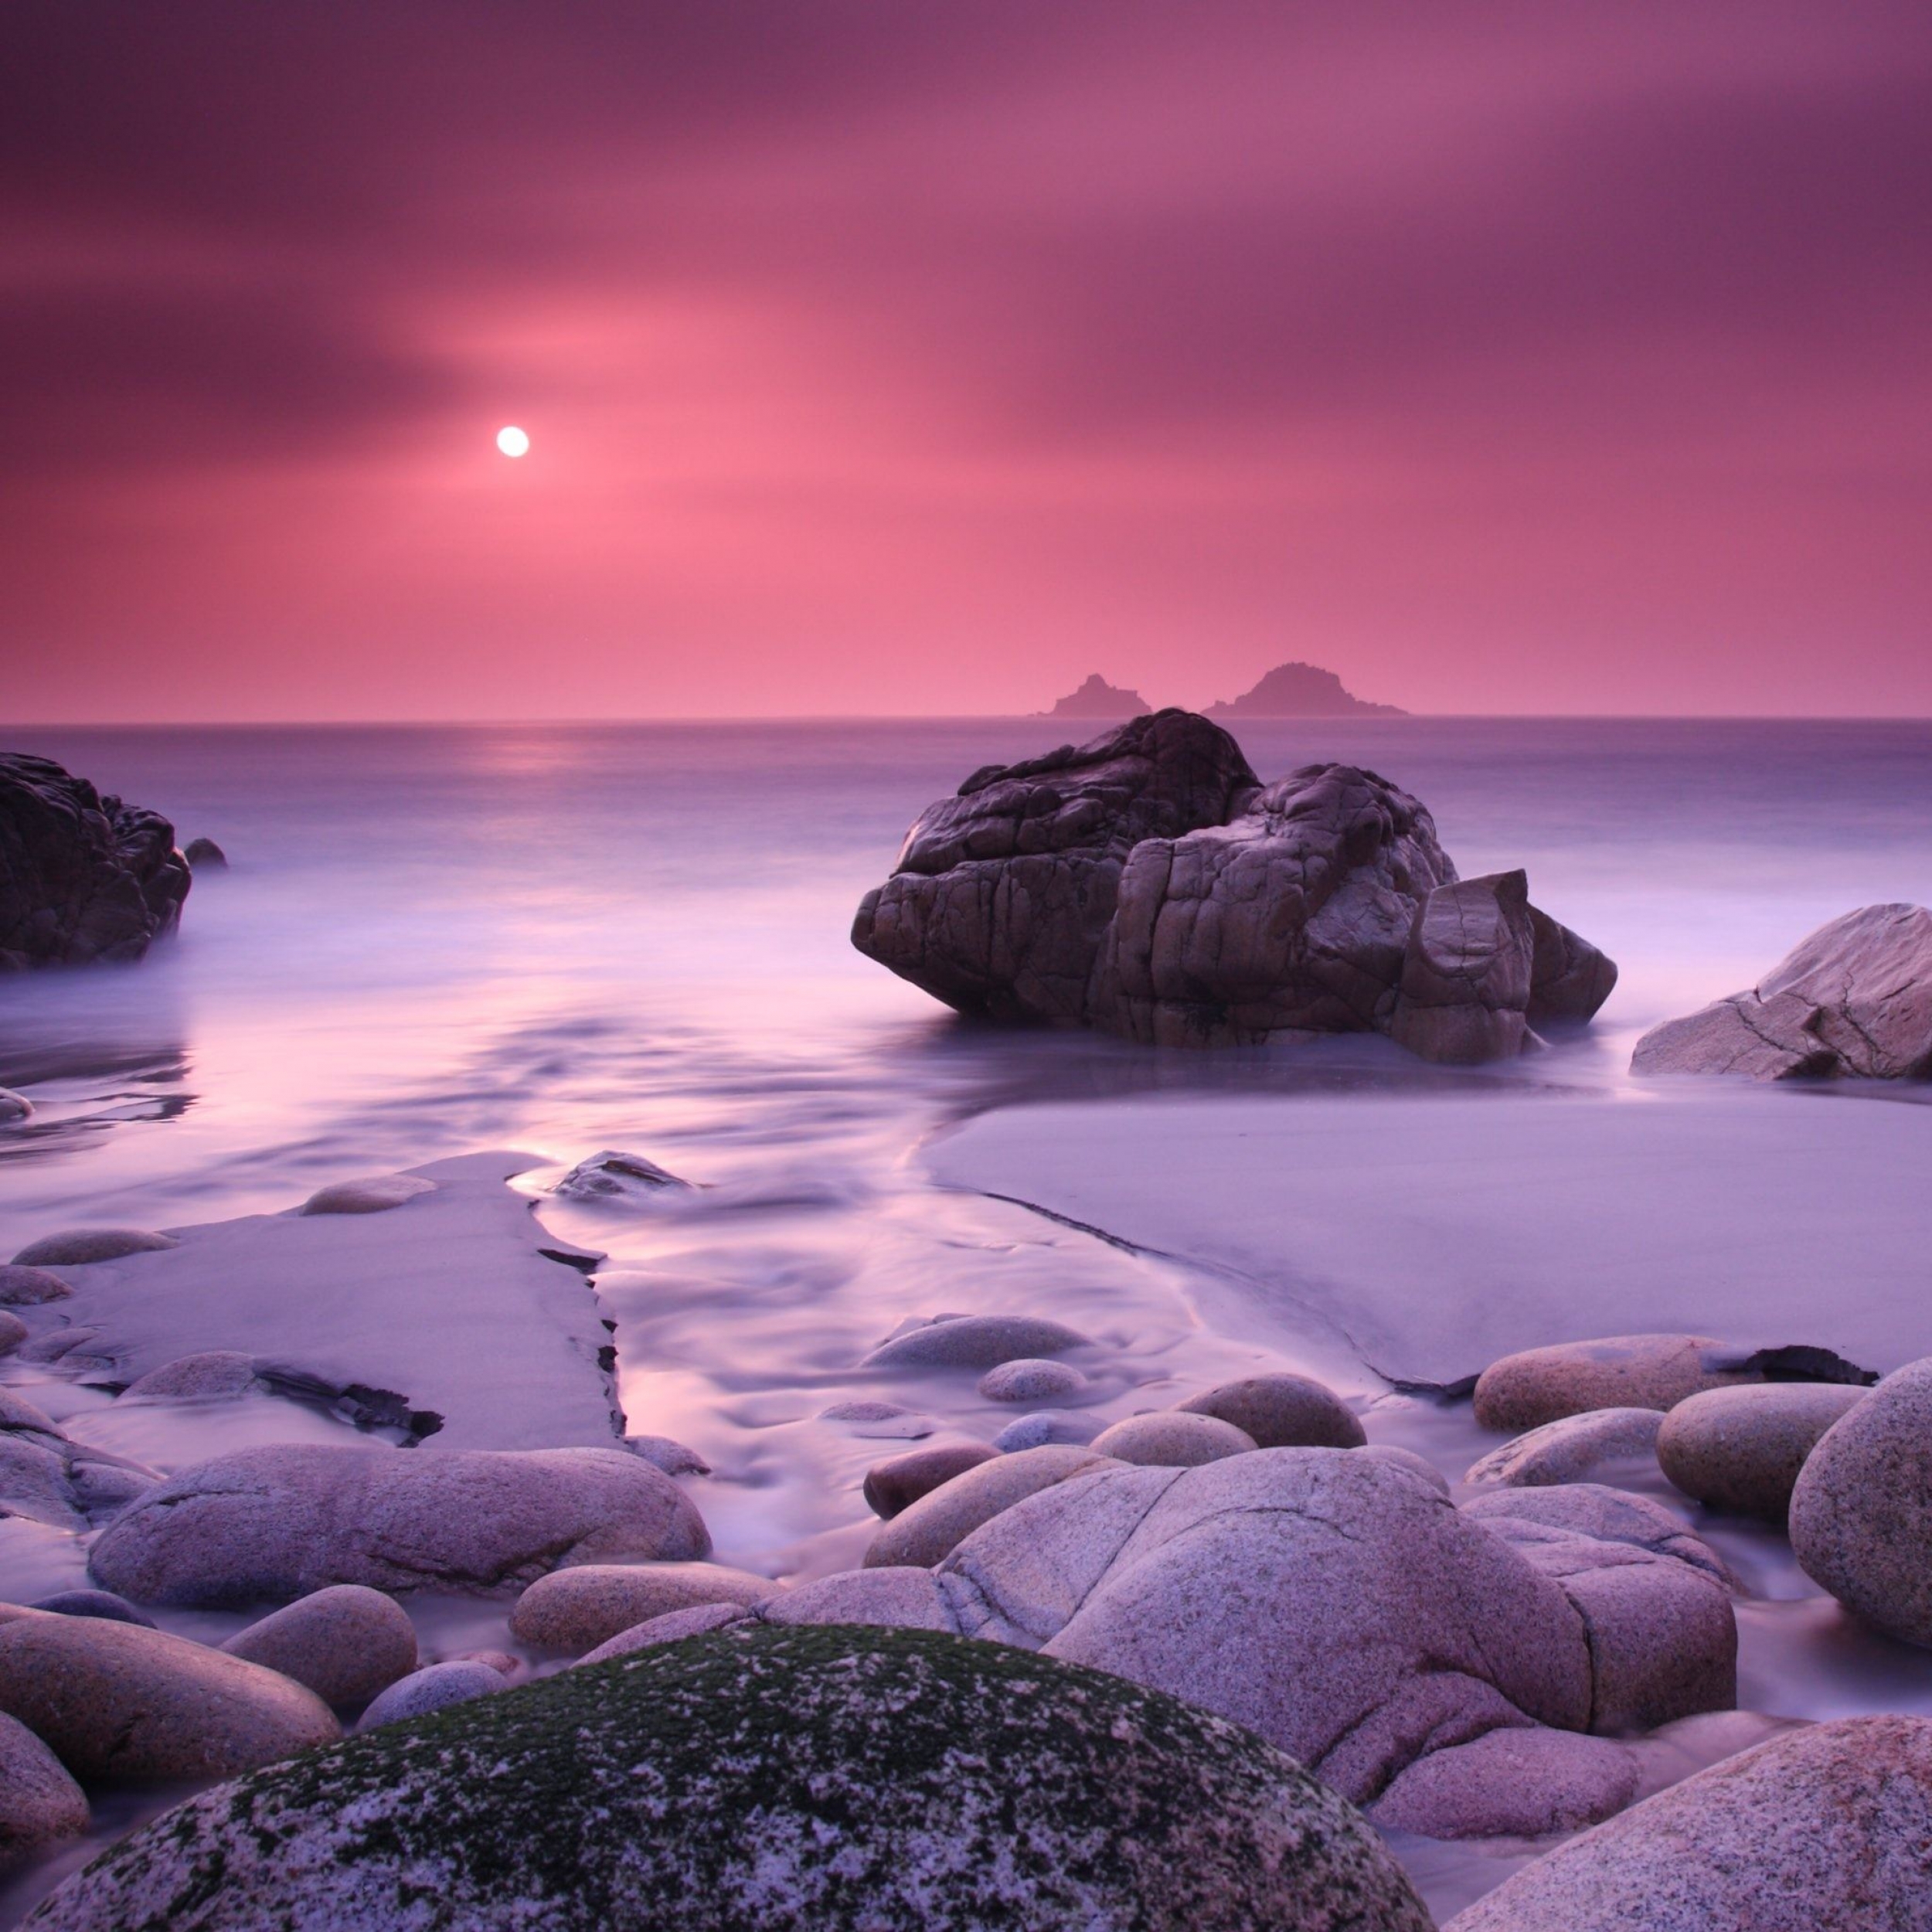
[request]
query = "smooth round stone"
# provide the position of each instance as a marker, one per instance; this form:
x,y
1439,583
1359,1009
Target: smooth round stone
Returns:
x,y
215,1375
16,1412
672,1457
93,1602
40,1805
573,1610
374,1194
672,1627
77,1247
1572,1450
973,1341
906,1598
30,1287
1861,1514
1525,1390
1046,1425
927,1530
1282,1412
773,1780
1407,1459
14,1107
1827,1828
1514,1782
1741,1449
1031,1380
432,1688
203,854
899,1482
1170,1439
345,1643
119,1704
13,1331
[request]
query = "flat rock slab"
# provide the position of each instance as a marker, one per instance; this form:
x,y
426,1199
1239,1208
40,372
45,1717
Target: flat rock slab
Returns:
x,y
445,1302
771,1781
1430,1237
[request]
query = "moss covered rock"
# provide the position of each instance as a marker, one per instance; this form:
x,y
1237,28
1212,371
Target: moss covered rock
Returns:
x,y
755,1780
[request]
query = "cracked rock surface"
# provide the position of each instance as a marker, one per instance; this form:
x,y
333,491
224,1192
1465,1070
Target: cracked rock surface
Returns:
x,y
787,1781
1854,1002
81,877
1149,884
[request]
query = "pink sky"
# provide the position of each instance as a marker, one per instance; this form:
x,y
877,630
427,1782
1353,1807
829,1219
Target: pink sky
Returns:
x,y
924,357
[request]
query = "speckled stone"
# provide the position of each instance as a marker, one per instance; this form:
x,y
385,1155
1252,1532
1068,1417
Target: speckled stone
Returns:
x,y
215,1375
573,1610
1861,1515
1825,1829
119,1705
1518,1781
897,1779
899,1482
346,1643
904,1598
30,1287
926,1530
1417,1465
1031,1379
13,1331
1741,1449
75,1247
1045,1426
1282,1412
1525,1391
432,1688
1573,1449
1171,1439
40,1805
284,1519
672,1627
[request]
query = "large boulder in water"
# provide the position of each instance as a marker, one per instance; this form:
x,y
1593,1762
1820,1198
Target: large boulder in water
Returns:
x,y
770,1780
1854,1002
1147,884
286,1519
81,877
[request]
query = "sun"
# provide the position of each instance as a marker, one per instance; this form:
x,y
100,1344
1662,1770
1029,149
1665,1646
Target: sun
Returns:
x,y
512,442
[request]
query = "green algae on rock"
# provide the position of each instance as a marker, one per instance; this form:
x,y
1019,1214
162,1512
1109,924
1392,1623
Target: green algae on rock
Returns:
x,y
755,1780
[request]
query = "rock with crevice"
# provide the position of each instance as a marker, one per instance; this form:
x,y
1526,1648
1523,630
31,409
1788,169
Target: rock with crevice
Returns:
x,y
788,1780
281,1521
1852,1002
83,877
1148,885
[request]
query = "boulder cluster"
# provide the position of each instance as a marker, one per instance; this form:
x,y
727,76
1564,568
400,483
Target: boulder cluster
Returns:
x,y
1149,884
81,877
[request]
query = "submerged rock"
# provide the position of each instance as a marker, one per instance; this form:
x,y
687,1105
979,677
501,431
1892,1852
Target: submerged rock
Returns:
x,y
1861,1511
1031,1380
30,1287
1539,1386
1044,1425
1853,1002
973,1342
767,1781
376,1194
119,1704
83,876
214,1375
203,854
40,1805
614,1176
1824,1829
1147,884
14,1107
285,1519
75,1247
13,1331
346,1643
1742,1448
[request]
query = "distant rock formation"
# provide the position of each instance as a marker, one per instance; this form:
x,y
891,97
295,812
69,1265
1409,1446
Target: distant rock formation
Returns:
x,y
1301,691
1097,698
1853,1002
81,877
1149,884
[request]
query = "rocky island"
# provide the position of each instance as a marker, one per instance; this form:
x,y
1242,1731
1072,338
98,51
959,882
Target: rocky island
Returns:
x,y
1097,698
1301,691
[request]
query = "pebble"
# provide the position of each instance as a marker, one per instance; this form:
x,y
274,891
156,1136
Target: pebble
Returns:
x,y
29,1287
1046,1425
1031,1379
433,1688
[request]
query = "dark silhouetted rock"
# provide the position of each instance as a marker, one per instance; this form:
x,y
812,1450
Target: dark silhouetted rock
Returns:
x,y
203,854
1299,690
757,1780
81,877
1148,885
899,1482
1097,698
1569,977
1854,1002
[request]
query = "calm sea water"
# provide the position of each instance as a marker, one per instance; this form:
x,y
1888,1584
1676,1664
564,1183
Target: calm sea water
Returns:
x,y
565,937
